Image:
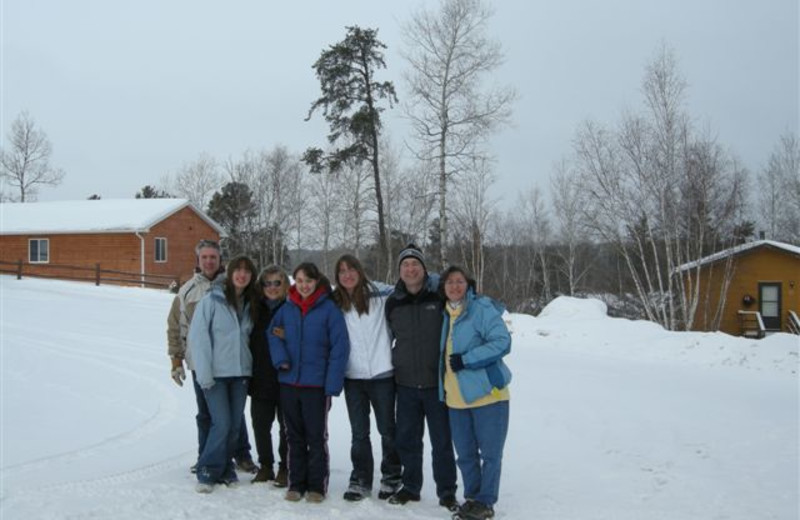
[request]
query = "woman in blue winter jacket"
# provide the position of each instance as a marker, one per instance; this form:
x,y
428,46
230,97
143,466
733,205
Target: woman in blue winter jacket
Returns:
x,y
309,346
474,385
218,339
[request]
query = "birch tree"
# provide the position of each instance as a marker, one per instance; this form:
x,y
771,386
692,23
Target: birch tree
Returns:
x,y
570,227
473,209
779,191
451,108
663,195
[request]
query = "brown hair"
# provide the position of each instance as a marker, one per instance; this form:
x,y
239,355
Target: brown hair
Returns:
x,y
250,294
360,297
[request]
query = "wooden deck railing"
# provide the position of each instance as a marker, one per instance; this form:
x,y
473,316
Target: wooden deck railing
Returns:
x,y
793,322
88,274
751,324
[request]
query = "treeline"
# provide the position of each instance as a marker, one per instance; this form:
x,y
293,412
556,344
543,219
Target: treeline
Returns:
x,y
632,202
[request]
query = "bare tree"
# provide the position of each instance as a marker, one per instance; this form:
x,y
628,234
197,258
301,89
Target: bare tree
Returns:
x,y
25,164
410,201
662,195
571,229
534,228
321,214
779,190
473,210
196,180
451,110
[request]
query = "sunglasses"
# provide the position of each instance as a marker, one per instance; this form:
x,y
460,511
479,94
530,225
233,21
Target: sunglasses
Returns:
x,y
273,283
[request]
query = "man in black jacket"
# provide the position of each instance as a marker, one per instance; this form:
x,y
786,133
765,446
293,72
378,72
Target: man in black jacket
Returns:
x,y
414,315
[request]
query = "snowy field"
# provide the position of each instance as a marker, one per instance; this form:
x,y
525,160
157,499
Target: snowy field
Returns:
x,y
610,419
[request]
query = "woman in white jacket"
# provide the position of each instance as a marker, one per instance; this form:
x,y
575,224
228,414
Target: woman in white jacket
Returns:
x,y
369,378
218,339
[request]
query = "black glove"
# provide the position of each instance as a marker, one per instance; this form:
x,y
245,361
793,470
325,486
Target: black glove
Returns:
x,y
456,363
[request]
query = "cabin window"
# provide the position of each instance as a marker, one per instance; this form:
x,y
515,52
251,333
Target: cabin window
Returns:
x,y
39,250
161,249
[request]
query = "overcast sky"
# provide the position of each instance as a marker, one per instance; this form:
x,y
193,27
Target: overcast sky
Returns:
x,y
129,91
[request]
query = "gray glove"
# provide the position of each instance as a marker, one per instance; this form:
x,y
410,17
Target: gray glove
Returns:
x,y
179,375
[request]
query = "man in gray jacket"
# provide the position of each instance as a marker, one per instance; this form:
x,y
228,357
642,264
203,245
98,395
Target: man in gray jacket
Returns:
x,y
209,273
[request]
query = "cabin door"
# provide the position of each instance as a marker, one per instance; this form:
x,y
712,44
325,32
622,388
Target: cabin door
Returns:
x,y
770,305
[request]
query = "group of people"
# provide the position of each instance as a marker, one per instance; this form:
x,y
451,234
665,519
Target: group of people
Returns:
x,y
426,351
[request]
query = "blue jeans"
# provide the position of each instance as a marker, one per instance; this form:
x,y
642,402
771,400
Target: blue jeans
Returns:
x,y
479,435
414,407
225,400
380,394
203,419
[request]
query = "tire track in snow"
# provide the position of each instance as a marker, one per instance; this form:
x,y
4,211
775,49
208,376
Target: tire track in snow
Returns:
x,y
167,409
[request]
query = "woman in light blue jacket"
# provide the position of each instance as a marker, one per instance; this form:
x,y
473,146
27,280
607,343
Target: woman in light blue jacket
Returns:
x,y
474,384
218,339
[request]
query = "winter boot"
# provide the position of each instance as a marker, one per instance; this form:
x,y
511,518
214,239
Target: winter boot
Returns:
x,y
282,479
355,493
403,496
264,474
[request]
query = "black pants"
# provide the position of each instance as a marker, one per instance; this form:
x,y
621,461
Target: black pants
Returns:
x,y
263,412
305,412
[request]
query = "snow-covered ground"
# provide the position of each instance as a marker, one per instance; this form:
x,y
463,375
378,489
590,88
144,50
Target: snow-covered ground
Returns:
x,y
610,419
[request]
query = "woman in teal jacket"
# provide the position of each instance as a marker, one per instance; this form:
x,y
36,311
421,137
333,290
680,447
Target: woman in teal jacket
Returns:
x,y
474,385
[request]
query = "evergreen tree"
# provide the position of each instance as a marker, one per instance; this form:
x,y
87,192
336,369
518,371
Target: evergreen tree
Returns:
x,y
349,102
234,208
151,192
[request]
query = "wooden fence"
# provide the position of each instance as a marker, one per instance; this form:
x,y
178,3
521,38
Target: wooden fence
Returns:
x,y
89,274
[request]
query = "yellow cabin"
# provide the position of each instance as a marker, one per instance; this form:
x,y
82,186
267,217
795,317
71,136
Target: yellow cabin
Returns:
x,y
762,289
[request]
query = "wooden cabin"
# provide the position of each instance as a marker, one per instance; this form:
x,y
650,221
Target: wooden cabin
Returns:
x,y
762,294
122,239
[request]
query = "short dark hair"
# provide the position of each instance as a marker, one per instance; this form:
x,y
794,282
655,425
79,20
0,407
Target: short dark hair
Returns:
x,y
452,270
311,270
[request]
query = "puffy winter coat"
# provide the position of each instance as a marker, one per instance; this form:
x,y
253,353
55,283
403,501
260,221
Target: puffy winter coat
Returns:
x,y
315,346
481,337
218,339
416,323
370,339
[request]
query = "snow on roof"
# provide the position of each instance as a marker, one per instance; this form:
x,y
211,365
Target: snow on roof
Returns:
x,y
738,250
90,216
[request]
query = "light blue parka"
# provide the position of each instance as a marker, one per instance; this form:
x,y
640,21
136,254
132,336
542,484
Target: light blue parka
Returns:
x,y
218,339
481,337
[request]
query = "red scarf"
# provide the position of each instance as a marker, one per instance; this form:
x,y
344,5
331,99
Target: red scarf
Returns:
x,y
305,304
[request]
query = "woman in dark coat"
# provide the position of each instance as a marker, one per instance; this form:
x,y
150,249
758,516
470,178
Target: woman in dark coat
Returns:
x,y
273,284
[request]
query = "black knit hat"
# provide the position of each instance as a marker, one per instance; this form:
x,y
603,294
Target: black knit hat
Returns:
x,y
411,251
